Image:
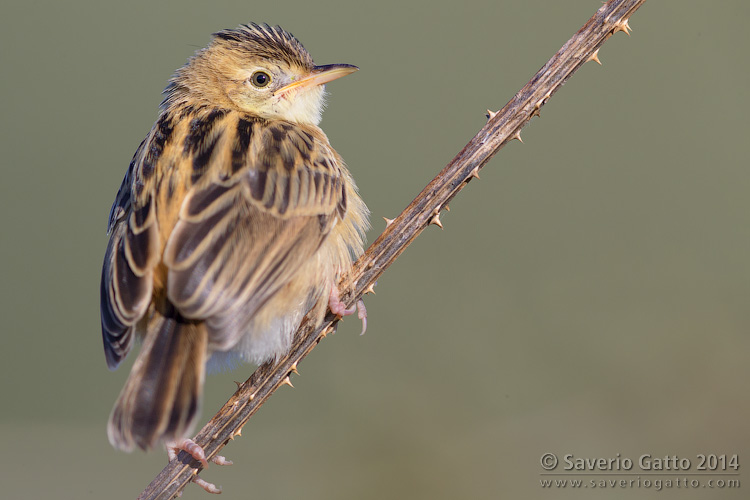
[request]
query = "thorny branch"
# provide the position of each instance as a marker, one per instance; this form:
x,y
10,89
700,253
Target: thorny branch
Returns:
x,y
502,127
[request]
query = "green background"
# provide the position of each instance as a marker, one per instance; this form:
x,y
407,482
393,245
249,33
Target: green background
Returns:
x,y
588,296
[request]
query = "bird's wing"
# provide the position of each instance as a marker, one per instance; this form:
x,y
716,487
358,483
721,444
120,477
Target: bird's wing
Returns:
x,y
260,210
127,273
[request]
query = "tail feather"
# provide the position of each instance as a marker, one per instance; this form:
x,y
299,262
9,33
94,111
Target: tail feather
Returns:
x,y
161,398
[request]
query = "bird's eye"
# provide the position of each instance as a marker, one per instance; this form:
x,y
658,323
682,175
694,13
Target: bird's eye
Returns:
x,y
260,79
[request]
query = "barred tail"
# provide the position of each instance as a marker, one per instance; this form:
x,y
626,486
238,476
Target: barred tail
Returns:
x,y
161,398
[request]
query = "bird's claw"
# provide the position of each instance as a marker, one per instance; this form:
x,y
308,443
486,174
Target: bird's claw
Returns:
x,y
208,487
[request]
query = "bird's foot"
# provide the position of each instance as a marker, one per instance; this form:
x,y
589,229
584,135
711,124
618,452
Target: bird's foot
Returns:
x,y
339,308
196,451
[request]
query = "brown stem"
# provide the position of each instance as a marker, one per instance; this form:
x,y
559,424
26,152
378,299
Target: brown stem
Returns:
x,y
502,127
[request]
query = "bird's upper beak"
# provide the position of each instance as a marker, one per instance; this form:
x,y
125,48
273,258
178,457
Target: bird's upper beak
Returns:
x,y
320,75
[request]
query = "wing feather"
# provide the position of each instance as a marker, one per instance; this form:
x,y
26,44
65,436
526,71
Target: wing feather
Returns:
x,y
242,236
132,252
127,279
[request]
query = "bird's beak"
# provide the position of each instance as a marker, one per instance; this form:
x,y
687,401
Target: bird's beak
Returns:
x,y
320,75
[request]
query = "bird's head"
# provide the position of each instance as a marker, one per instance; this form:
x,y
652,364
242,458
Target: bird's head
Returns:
x,y
257,69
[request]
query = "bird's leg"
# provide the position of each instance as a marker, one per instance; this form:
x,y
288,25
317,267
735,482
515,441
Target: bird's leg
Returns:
x,y
338,308
196,451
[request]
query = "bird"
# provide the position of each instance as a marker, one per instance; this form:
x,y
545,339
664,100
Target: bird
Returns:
x,y
235,219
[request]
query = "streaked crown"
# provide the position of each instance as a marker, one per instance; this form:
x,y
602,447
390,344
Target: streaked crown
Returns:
x,y
265,42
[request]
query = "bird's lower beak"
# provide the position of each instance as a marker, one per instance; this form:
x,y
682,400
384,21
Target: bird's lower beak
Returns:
x,y
319,76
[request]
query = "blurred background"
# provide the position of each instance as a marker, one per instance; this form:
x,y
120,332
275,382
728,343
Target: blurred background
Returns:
x,y
588,296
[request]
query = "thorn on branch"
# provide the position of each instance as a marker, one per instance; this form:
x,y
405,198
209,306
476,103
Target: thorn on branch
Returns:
x,y
325,333
623,26
595,57
541,102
